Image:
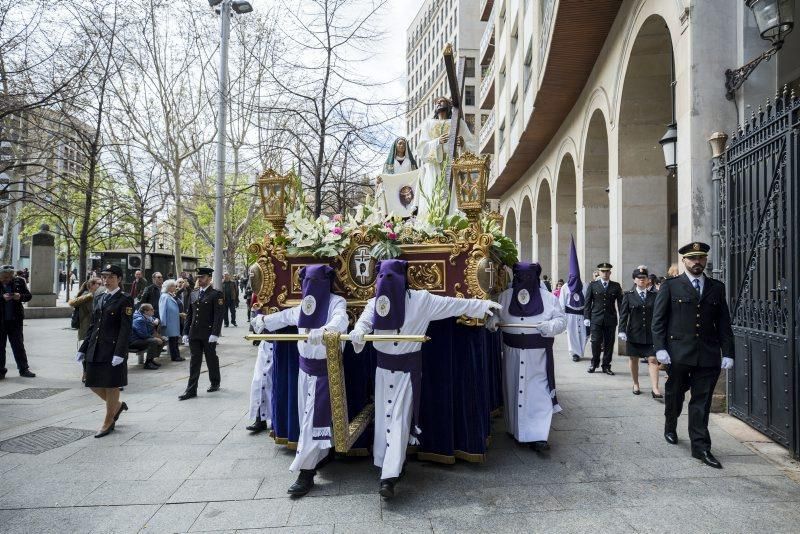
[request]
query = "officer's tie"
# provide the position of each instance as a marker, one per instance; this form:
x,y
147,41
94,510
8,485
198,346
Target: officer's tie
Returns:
x,y
641,294
103,301
696,283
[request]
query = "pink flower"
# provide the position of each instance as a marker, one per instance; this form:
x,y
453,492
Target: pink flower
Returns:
x,y
391,235
337,230
337,217
388,224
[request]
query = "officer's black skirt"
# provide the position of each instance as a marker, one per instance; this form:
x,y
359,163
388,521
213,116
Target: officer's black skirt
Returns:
x,y
639,350
105,375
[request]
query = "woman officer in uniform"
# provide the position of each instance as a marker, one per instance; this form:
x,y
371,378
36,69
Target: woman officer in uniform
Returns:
x,y
105,348
635,322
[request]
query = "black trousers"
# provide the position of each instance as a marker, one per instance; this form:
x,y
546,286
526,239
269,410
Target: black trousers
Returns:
x,y
151,345
12,331
198,348
602,338
230,307
174,350
700,381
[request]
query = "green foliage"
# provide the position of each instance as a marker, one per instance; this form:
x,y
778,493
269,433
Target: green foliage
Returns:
x,y
502,245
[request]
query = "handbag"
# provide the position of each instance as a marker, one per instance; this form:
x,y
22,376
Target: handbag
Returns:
x,y
75,321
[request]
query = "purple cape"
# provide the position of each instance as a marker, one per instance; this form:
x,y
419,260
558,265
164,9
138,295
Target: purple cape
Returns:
x,y
390,295
317,283
526,300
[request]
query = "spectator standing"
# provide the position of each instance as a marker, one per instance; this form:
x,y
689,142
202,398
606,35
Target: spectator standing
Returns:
x,y
26,274
557,290
169,310
105,348
152,293
83,302
546,282
62,280
15,292
137,286
230,291
144,337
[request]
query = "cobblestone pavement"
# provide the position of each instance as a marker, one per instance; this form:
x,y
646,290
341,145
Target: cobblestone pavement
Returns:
x,y
190,466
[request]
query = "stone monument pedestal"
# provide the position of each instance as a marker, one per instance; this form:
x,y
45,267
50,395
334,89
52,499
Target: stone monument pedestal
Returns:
x,y
43,258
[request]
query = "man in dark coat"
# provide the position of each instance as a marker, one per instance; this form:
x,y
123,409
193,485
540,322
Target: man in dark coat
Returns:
x,y
603,297
692,334
152,293
201,331
15,292
230,290
138,285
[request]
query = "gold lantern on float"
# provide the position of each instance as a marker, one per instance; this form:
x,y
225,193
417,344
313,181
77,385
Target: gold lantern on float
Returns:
x,y
471,176
273,188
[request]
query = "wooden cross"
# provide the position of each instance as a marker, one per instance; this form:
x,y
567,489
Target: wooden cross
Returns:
x,y
455,79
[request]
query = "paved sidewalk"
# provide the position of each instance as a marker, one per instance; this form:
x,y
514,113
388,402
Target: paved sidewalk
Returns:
x,y
190,466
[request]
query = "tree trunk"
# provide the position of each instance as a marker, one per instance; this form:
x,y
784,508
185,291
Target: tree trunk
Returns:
x,y
176,177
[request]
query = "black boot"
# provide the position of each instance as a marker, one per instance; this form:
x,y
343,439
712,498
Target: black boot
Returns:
x,y
387,488
305,481
540,446
257,426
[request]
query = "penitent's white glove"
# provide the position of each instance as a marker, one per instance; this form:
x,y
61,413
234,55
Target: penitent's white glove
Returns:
x,y
492,306
315,336
257,323
357,339
491,323
213,339
622,336
80,357
663,357
185,340
587,322
116,360
727,363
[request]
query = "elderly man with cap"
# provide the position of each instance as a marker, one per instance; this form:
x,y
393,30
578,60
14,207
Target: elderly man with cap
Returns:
x,y
105,347
530,400
600,314
635,323
201,331
396,309
319,310
692,334
15,292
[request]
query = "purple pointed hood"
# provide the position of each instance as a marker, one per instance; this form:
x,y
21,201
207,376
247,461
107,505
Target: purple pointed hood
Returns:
x,y
526,299
390,295
574,282
317,284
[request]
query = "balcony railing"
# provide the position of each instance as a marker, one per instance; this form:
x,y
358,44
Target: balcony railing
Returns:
x,y
487,134
486,97
487,41
486,9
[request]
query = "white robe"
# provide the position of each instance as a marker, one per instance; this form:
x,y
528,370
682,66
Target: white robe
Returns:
x,y
576,330
529,404
310,451
261,387
431,155
393,390
399,167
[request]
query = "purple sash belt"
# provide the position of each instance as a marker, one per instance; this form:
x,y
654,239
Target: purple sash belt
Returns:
x,y
536,341
573,311
406,363
322,394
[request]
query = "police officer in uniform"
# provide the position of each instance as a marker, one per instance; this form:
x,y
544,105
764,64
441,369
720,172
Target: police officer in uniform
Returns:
x,y
600,314
201,331
692,334
635,328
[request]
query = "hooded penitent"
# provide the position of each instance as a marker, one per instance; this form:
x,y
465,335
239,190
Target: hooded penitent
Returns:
x,y
390,295
526,300
317,284
574,281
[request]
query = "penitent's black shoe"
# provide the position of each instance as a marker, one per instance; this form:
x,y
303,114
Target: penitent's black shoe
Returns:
x,y
258,426
212,388
304,483
707,458
187,395
387,488
540,446
576,358
671,437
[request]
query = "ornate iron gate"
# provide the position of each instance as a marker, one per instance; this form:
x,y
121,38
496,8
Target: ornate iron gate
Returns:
x,y
759,219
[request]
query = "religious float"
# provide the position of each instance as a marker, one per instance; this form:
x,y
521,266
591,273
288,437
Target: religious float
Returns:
x,y
455,255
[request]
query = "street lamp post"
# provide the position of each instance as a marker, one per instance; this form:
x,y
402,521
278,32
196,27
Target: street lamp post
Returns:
x,y
226,7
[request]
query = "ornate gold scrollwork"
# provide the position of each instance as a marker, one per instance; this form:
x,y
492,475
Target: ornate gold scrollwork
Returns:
x,y
282,296
429,275
480,261
266,285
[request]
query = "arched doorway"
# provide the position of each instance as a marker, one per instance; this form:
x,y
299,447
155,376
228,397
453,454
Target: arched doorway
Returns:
x,y
525,245
566,214
595,195
544,230
647,195
510,225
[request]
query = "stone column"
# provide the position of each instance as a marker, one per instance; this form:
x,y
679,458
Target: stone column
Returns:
x,y
43,257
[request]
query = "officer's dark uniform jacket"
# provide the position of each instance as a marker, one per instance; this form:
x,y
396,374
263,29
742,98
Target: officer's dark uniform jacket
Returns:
x,y
693,331
636,316
600,302
110,328
204,317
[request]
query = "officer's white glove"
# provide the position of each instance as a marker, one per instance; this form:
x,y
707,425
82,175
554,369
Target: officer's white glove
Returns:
x,y
492,306
622,336
587,322
185,340
80,357
116,360
727,363
213,339
663,357
357,339
315,336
